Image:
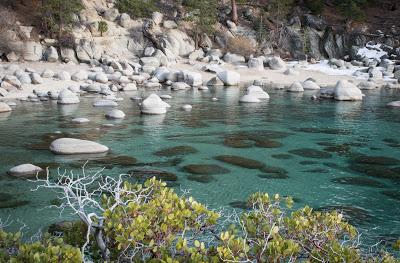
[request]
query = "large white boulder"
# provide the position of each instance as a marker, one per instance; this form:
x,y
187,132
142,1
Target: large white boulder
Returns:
x,y
249,98
276,63
47,73
162,74
24,78
234,58
80,75
150,61
375,73
229,78
179,86
115,114
256,63
367,85
153,104
36,78
64,75
310,85
51,54
67,97
296,87
257,92
101,78
4,107
193,79
125,20
130,87
25,170
345,90
157,18
76,146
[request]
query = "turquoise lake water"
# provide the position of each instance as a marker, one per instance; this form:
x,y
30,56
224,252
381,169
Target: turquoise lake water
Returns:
x,y
331,154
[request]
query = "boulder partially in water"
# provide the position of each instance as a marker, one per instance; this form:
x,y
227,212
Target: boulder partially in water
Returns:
x,y
154,105
76,146
257,91
4,107
67,97
229,78
115,114
347,91
25,170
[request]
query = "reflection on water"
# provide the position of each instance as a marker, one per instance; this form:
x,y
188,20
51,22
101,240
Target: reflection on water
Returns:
x,y
326,154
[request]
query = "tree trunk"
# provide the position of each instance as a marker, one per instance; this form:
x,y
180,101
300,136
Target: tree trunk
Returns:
x,y
234,12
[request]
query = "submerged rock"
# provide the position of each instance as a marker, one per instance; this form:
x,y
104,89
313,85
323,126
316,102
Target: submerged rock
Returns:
x,y
273,176
282,156
237,142
240,205
311,153
201,178
265,143
176,151
144,174
359,181
376,160
240,161
209,169
76,146
323,130
355,215
392,194
273,170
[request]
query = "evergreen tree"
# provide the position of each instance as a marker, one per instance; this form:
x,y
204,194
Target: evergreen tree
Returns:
x,y
57,15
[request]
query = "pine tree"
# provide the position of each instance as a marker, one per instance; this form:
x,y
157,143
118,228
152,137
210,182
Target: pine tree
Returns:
x,y
57,15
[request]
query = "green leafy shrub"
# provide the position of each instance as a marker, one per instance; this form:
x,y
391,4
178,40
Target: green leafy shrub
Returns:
x,y
47,250
136,8
151,223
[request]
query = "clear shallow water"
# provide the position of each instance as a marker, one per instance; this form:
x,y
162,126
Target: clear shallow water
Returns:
x,y
354,128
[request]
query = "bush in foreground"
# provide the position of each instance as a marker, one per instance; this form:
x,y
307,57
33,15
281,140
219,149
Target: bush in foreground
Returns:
x,y
149,222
